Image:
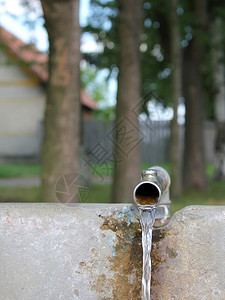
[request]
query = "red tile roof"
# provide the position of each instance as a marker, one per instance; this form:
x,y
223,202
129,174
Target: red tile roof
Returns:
x,y
35,60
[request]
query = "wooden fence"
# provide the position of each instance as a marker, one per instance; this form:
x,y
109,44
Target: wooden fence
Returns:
x,y
154,139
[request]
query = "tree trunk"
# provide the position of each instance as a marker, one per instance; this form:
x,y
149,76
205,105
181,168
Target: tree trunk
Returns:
x,y
126,132
219,86
194,158
60,152
175,151
218,68
220,151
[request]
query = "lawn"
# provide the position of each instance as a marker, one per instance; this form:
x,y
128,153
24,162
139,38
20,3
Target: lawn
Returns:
x,y
100,193
213,195
31,170
19,194
19,170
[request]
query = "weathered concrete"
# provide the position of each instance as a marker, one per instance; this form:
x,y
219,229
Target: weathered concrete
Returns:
x,y
93,252
56,251
188,256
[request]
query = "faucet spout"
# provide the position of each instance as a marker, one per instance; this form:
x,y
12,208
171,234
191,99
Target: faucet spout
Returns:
x,y
153,189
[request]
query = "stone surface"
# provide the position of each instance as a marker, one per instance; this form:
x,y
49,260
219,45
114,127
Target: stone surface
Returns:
x,y
93,252
56,251
188,256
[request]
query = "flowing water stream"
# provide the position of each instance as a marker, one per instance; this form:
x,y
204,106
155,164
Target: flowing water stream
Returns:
x,y
147,218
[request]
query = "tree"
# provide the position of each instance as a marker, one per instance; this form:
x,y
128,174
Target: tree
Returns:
x,y
62,117
103,24
219,86
219,69
157,70
194,158
175,151
127,142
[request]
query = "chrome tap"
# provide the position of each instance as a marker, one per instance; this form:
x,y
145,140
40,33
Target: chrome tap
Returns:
x,y
154,190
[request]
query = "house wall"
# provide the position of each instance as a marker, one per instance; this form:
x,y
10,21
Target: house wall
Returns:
x,y
22,101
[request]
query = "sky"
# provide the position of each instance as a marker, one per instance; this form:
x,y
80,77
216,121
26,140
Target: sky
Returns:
x,y
16,26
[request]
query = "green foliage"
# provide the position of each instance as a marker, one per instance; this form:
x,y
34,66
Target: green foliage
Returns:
x,y
155,43
94,82
32,13
107,113
154,48
156,67
102,24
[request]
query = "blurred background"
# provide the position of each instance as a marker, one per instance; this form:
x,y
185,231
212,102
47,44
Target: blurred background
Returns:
x,y
111,88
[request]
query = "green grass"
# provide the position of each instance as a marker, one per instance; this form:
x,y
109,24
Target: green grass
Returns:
x,y
107,169
213,195
19,194
100,193
29,170
210,168
19,170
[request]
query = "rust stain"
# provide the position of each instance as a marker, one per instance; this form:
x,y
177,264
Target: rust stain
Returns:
x,y
157,260
82,264
127,262
159,255
171,252
100,285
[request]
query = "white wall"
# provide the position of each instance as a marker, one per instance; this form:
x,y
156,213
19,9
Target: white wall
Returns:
x,y
22,102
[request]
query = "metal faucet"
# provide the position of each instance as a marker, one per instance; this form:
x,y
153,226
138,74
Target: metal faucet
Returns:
x,y
154,190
